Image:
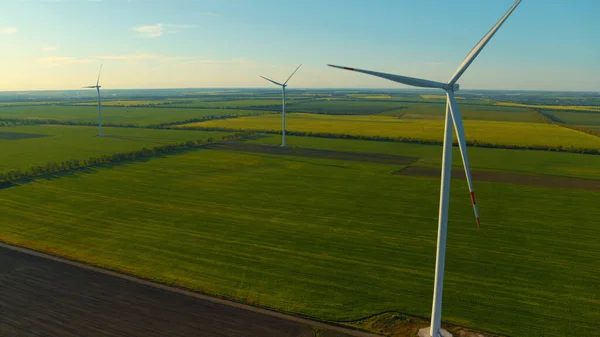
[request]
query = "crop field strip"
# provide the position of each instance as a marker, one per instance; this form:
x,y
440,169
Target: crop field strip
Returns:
x,y
577,118
593,108
226,223
484,159
409,166
502,133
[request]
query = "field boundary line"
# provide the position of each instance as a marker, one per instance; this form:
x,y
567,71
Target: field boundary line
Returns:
x,y
182,291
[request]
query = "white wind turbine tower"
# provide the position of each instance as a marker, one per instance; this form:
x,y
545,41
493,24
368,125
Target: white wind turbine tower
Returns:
x,y
453,116
283,86
97,87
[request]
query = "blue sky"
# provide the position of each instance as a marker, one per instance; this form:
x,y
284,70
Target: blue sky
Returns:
x,y
60,44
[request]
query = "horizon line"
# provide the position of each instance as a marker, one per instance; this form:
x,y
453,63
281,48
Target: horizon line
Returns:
x,y
296,88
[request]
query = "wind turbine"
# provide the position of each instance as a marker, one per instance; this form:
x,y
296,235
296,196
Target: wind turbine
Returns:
x,y
97,87
453,116
283,103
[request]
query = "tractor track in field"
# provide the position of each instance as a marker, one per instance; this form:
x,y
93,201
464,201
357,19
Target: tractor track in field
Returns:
x,y
509,178
44,295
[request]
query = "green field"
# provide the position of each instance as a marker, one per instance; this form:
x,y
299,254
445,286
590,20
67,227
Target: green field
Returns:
x,y
350,241
125,103
576,118
592,108
344,107
117,115
528,162
234,104
468,111
502,133
59,143
302,232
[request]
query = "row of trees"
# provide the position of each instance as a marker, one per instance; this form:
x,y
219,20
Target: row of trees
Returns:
x,y
195,120
473,143
18,122
6,178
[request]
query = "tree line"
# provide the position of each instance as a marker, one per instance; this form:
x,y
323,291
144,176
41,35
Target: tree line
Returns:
x,y
6,178
20,122
411,140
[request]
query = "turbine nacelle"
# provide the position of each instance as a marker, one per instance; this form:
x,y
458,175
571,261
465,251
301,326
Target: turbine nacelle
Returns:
x,y
452,87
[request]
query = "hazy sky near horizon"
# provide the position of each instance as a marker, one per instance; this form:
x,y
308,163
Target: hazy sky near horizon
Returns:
x,y
60,44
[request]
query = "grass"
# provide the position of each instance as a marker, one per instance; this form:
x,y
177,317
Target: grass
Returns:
x,y
80,142
350,241
502,133
118,115
485,159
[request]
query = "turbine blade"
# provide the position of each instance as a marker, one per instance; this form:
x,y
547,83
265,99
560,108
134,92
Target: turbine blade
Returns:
x,y
462,144
415,82
284,83
271,81
479,46
98,81
89,86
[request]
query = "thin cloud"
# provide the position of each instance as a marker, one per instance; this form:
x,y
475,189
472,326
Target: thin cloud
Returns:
x,y
64,60
8,30
47,48
143,57
208,61
159,29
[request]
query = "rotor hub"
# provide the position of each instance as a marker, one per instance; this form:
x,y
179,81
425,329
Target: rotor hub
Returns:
x,y
452,87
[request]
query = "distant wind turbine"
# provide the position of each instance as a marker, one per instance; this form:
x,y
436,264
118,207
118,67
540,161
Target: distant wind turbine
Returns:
x,y
453,116
97,87
283,86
